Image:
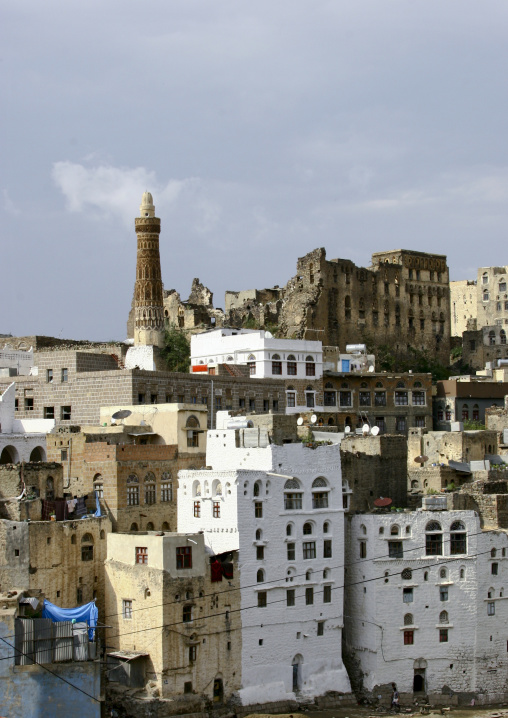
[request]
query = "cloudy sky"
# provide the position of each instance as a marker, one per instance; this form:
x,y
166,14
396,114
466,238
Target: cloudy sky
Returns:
x,y
263,129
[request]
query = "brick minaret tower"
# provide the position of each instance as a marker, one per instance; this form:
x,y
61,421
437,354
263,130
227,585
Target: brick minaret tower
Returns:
x,y
148,301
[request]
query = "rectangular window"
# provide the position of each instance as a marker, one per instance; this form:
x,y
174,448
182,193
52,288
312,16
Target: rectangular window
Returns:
x,y
493,569
63,454
87,553
320,500
216,510
443,635
458,543
401,423
252,405
291,552
291,398
309,549
127,608
266,404
310,400
491,608
277,367
260,553
258,509
65,413
150,494
29,403
395,549
133,496
363,549
79,595
380,398
141,554
291,368
292,502
218,403
166,492
241,402
434,544
420,422
193,650
321,628
401,398
290,597
192,439
443,593
327,548
275,405
418,398
49,375
330,398
184,557
187,614
197,509
327,594
16,407
65,375
141,398
409,638
364,398
310,369
49,412
309,596
345,398
407,595
252,367
262,599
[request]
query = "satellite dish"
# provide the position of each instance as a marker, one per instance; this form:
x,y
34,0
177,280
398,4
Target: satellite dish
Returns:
x,y
299,421
371,369
365,429
313,418
347,429
375,430
122,414
421,459
382,503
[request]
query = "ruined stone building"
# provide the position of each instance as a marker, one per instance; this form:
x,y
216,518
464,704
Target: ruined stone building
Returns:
x,y
402,300
463,306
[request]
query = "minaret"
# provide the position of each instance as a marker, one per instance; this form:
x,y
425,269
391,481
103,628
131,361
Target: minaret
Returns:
x,y
148,300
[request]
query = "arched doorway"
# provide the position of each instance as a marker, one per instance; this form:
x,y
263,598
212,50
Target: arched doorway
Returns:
x,y
9,455
218,690
38,454
297,672
419,666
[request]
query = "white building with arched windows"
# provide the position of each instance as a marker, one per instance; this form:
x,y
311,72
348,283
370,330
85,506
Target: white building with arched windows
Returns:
x,y
425,605
282,507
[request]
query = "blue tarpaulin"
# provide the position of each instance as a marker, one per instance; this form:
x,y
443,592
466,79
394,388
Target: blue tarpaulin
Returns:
x,y
88,612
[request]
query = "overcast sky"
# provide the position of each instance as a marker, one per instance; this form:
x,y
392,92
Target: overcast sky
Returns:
x,y
264,129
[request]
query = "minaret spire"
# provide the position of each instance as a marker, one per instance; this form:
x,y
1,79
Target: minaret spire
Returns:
x,y
148,299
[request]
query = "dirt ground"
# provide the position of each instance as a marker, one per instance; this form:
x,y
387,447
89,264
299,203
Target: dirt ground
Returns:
x,y
361,712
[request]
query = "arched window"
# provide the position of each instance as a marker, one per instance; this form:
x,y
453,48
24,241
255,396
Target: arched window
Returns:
x,y
73,538
433,539
216,488
102,534
462,574
192,422
308,575
443,617
458,538
134,527
381,529
289,529
150,488
363,529
259,533
320,497
133,491
465,412
276,364
485,295
166,487
493,553
326,527
196,488
292,495
257,488
98,486
307,528
408,619
394,530
260,576
407,574
149,526
442,573
165,526
310,367
400,385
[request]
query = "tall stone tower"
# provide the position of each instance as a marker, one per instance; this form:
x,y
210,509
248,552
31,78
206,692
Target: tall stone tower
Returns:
x,y
148,298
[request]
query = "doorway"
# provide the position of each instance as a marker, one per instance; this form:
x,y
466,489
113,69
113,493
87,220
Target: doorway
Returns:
x,y
297,673
419,680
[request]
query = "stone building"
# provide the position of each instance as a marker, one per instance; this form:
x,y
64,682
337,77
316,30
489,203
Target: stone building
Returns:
x,y
71,386
463,399
171,610
21,439
487,344
402,301
281,506
373,467
463,305
431,585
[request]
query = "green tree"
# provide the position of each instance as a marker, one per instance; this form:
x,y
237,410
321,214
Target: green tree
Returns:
x,y
176,350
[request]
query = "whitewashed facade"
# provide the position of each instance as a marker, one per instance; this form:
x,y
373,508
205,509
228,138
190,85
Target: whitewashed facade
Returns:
x,y
423,605
281,506
20,439
266,356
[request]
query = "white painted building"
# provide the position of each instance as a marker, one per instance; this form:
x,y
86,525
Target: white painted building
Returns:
x,y
20,439
17,361
425,603
266,356
282,507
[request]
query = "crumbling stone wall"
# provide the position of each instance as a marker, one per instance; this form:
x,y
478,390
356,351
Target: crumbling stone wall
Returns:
x,y
488,498
37,478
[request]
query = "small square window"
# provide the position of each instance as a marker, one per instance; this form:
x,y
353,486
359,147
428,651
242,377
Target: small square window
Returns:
x,y
141,554
65,413
187,687
29,403
184,557
16,551
49,412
